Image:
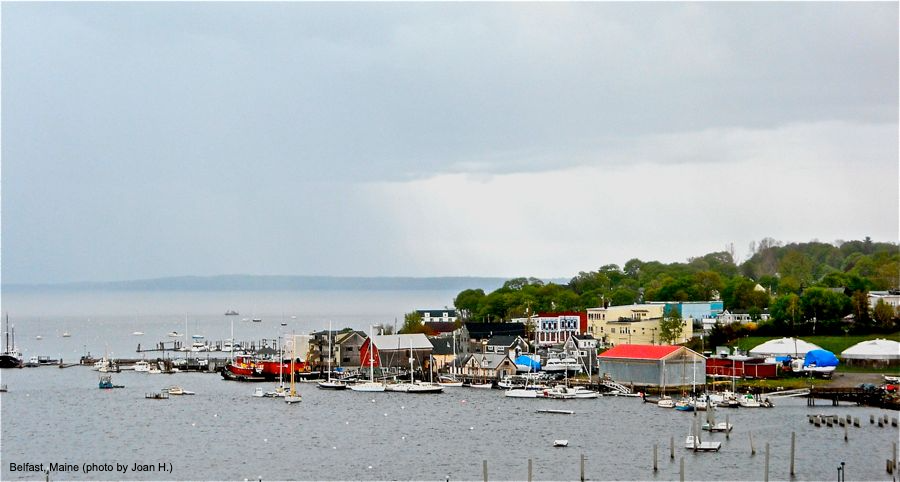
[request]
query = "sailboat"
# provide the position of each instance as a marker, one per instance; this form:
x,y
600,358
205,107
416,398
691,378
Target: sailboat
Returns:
x,y
711,425
371,385
665,401
329,384
293,396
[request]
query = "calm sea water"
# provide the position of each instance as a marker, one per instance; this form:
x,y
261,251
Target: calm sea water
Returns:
x,y
223,433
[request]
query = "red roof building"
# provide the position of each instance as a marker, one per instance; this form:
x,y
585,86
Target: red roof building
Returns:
x,y
653,365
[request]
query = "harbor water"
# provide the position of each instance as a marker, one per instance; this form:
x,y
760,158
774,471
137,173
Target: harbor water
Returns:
x,y
51,415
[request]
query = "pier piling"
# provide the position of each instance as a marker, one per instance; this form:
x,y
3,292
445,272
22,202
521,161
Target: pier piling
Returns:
x,y
582,468
529,470
727,431
846,433
752,448
793,442
871,418
681,471
766,469
484,470
655,467
856,421
672,448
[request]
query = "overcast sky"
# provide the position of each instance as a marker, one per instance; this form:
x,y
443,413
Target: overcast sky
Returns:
x,y
500,139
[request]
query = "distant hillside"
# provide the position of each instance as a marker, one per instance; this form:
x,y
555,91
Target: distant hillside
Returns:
x,y
250,282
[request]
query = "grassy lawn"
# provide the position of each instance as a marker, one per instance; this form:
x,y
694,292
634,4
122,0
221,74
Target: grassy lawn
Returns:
x,y
834,344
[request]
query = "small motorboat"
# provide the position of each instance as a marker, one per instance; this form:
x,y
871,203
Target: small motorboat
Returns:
x,y
176,390
138,333
561,443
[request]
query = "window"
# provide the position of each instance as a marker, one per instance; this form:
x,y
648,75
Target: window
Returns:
x,y
348,349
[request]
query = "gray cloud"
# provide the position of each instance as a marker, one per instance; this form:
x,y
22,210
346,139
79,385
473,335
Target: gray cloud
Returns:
x,y
169,138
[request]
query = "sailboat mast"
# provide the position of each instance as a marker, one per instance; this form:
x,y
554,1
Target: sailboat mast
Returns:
x,y
330,351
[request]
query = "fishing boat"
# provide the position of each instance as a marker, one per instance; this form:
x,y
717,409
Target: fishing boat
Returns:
x,y
106,383
141,366
561,443
11,357
331,384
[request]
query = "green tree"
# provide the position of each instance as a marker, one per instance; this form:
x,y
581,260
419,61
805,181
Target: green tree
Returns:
x,y
671,327
468,302
412,323
884,315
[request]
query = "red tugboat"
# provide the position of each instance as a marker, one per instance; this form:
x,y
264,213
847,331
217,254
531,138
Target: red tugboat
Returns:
x,y
248,369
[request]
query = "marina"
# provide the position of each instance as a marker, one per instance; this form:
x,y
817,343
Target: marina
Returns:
x,y
347,433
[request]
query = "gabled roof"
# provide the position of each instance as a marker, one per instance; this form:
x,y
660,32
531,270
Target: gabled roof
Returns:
x,y
417,341
438,311
442,345
487,330
493,360
640,352
441,326
503,340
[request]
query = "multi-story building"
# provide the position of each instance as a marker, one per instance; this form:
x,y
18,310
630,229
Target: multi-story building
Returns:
x,y
631,324
440,314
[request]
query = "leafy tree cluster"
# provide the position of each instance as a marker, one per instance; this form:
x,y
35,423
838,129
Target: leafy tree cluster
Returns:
x,y
796,282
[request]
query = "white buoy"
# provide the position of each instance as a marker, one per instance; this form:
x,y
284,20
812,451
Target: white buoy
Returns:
x,y
402,407
403,437
471,428
370,466
265,440
334,448
385,415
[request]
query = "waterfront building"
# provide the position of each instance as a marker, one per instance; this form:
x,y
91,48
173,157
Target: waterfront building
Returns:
x,y
349,344
738,316
695,312
740,366
631,324
392,351
488,366
443,353
653,365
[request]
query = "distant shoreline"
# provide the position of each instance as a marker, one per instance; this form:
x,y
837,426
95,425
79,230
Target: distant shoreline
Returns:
x,y
266,282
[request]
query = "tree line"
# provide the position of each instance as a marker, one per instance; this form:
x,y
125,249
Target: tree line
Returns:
x,y
804,286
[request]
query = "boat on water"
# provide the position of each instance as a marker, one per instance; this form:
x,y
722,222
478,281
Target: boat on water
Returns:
x,y
684,405
157,396
175,334
693,442
292,396
561,443
371,385
665,401
449,381
748,401
66,334
177,390
141,366
11,356
106,383
138,333
559,365
231,313
329,384
257,320
711,425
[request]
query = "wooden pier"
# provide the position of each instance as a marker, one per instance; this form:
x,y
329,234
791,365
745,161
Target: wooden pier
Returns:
x,y
858,396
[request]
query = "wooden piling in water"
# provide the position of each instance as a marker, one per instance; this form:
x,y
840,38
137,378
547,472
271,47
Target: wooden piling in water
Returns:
x,y
793,441
894,454
681,472
856,421
766,470
582,468
871,418
849,419
846,432
484,469
672,448
529,470
893,421
727,430
752,448
880,422
655,467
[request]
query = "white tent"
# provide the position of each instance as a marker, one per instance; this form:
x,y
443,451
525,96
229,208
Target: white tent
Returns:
x,y
877,349
784,347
